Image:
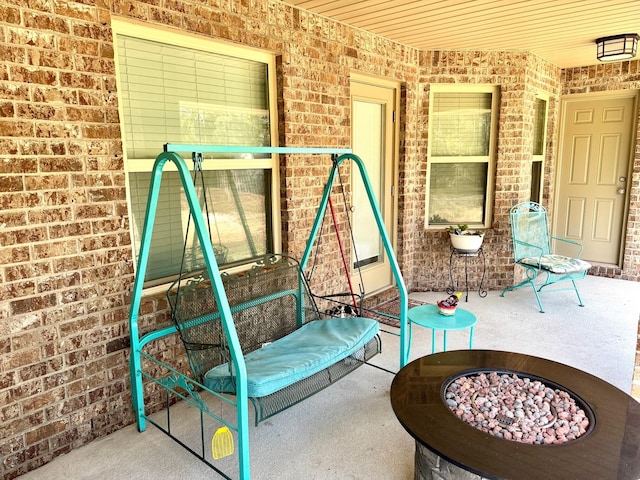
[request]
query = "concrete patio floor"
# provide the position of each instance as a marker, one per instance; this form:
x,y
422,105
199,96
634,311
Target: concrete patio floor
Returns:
x,y
349,431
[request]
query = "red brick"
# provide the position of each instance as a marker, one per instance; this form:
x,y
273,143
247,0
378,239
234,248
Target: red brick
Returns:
x,y
32,304
7,109
39,21
32,75
55,164
12,219
66,407
23,424
65,439
50,94
40,112
50,215
56,130
70,230
7,380
77,10
46,431
11,446
40,369
14,255
59,282
62,378
79,80
16,128
49,59
11,184
9,147
94,211
10,14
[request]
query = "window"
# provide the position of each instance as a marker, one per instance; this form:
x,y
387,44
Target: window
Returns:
x,y
462,126
176,88
539,148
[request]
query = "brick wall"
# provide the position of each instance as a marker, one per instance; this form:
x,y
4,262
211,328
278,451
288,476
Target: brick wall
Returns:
x,y
67,264
66,248
519,76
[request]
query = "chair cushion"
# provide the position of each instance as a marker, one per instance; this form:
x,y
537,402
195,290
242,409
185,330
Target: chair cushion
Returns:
x,y
557,263
304,352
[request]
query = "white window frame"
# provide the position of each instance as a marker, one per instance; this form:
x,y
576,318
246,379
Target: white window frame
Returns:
x,y
170,36
490,159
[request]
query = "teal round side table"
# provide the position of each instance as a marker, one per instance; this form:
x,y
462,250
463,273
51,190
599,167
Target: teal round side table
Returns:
x,y
429,316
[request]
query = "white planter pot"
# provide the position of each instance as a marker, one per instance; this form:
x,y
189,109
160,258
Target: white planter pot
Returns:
x,y
466,243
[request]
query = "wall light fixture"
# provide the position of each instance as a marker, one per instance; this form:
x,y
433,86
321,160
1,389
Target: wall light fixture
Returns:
x,y
617,47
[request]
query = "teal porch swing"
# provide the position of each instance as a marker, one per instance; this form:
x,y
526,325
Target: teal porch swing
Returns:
x,y
238,375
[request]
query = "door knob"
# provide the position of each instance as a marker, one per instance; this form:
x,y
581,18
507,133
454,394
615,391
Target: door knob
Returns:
x,y
621,191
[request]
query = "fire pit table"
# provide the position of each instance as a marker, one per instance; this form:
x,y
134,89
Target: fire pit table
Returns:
x,y
609,449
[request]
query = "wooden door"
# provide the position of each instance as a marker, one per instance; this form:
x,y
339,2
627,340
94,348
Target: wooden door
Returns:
x,y
593,181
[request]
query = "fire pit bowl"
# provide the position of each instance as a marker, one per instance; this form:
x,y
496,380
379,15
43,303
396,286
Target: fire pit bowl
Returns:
x,y
608,449
518,407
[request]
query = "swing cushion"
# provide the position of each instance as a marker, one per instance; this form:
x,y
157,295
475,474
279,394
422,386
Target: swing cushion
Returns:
x,y
308,350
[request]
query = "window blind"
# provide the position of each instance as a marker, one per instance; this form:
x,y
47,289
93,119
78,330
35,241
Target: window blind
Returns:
x,y
173,94
461,124
181,95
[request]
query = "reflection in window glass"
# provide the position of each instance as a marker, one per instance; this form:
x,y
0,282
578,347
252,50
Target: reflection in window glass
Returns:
x,y
237,205
539,126
457,193
536,181
461,124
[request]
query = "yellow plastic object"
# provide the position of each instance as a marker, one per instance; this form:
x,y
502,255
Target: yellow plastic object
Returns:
x,y
222,443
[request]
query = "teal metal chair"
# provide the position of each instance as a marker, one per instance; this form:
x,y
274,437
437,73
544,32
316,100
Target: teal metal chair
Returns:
x,y
532,251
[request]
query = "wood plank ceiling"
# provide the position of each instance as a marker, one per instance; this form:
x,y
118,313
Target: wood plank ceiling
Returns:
x,y
560,31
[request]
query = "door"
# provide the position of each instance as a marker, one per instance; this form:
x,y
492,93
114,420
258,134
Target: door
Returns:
x,y
374,141
593,178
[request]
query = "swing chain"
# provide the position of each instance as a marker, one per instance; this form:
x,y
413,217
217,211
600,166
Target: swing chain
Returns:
x,y
197,161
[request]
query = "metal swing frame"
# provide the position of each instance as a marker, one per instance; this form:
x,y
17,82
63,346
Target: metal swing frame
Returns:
x,y
180,385
342,307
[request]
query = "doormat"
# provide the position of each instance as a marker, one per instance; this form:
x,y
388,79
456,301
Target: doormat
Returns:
x,y
388,313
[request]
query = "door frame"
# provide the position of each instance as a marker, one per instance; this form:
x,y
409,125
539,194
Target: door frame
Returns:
x,y
357,77
577,97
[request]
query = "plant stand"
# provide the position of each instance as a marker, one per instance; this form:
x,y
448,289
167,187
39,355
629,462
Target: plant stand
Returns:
x,y
465,256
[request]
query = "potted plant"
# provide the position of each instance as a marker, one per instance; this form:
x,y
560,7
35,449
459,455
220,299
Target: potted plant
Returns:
x,y
465,240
